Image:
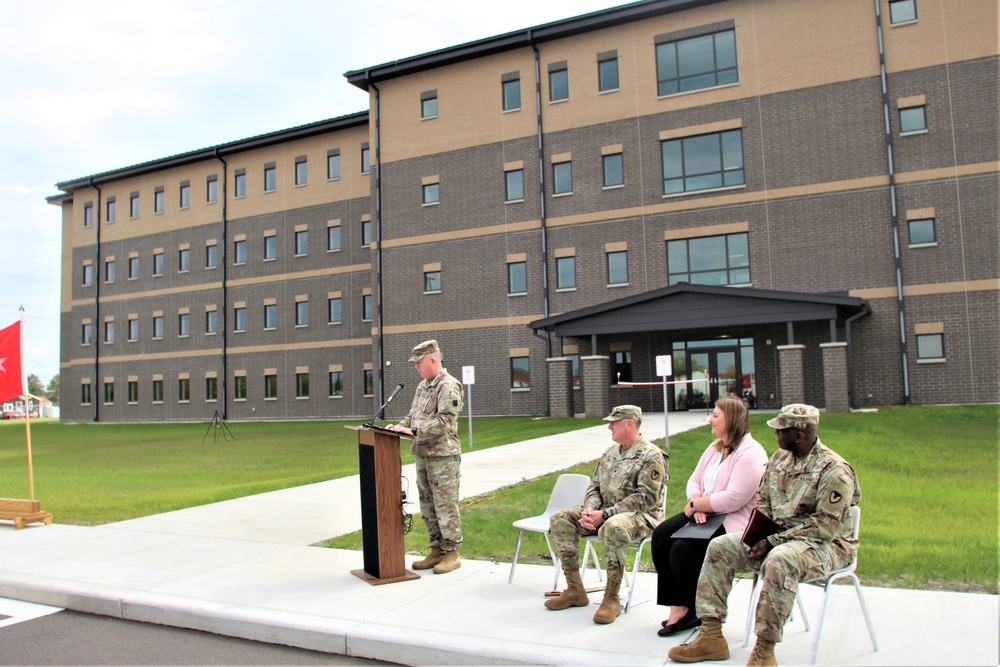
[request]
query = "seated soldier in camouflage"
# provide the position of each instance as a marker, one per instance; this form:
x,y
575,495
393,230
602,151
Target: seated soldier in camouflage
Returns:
x,y
624,502
808,491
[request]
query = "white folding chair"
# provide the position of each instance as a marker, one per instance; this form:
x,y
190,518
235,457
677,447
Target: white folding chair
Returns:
x,y
638,545
568,491
823,582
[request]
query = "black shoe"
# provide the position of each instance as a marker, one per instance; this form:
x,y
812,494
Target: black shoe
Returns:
x,y
688,622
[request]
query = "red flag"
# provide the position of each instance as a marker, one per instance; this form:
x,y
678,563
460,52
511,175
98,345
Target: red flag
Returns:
x,y
11,369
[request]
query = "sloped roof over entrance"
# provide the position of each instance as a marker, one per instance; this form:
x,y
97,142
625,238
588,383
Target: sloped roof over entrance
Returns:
x,y
687,306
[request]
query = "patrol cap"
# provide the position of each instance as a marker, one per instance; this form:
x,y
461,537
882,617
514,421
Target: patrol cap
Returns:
x,y
625,412
796,415
425,348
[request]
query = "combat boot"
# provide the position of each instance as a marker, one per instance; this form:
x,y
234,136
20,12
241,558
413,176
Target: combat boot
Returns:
x,y
430,561
575,594
449,562
708,645
763,654
611,606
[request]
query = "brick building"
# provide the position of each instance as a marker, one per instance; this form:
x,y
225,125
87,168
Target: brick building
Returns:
x,y
792,200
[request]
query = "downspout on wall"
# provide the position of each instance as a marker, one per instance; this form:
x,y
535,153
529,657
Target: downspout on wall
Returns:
x,y
95,329
225,304
377,167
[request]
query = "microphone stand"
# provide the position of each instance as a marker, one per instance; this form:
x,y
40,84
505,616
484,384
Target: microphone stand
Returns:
x,y
371,422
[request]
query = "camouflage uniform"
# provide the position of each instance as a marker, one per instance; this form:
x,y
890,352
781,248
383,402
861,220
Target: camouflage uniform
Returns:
x,y
629,484
433,418
810,500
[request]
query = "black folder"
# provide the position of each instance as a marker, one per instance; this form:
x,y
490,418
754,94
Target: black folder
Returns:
x,y
701,531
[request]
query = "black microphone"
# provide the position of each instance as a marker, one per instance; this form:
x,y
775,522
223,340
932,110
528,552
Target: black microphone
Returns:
x,y
371,422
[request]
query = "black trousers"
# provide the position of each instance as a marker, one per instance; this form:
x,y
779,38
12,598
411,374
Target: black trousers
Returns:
x,y
678,563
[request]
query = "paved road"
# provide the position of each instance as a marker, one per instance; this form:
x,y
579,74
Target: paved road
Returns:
x,y
72,638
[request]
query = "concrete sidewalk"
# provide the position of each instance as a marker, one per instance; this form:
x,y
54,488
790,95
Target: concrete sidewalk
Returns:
x,y
243,568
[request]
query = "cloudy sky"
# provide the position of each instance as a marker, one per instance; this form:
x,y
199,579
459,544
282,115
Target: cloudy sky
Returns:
x,y
87,87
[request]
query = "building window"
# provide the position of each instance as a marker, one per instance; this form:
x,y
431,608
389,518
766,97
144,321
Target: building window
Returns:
x,y
270,247
607,72
695,63
157,327
301,242
184,260
157,391
902,11
333,238
183,325
622,367
240,387
336,383
566,273
211,256
301,171
157,263
517,278
301,313
185,195
133,329
270,178
133,392
133,205
366,160
922,231
211,322
270,316
574,368
930,347
183,390
511,89
912,119
333,309
109,271
514,185
109,393
366,233
240,251
614,172
520,372
158,200
562,178
432,281
87,334
240,183
369,382
333,164
212,189
558,82
88,215
709,260
429,104
85,394
240,318
88,275
112,209
618,268
431,193
366,307
702,162
133,268
302,385
211,389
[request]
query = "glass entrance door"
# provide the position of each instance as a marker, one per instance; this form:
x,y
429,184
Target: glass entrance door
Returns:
x,y
721,369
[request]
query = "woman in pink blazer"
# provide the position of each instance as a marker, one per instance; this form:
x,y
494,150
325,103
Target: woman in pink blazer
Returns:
x,y
725,480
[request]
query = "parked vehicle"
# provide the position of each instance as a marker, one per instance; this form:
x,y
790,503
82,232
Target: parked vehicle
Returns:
x,y
13,414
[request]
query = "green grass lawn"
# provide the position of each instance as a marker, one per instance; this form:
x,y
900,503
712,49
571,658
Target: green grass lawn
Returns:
x,y
928,475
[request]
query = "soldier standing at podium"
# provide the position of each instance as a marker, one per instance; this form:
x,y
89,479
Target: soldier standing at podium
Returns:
x,y
433,423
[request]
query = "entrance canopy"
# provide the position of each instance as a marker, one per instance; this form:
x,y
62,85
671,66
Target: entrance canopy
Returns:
x,y
687,306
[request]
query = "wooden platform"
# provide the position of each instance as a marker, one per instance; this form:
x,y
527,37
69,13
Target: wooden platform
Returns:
x,y
23,512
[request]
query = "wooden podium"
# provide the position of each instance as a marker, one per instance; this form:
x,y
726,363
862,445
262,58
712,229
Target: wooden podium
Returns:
x,y
381,508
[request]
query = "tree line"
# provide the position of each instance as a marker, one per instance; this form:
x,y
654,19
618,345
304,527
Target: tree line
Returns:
x,y
50,391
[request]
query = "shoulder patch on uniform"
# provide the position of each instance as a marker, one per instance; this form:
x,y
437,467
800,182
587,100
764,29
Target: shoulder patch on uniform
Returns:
x,y
454,402
835,497
655,474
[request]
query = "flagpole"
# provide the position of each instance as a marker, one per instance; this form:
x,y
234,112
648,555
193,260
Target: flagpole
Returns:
x,y
27,418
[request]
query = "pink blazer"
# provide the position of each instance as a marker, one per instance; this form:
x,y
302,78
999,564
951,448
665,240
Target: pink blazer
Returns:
x,y
736,484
